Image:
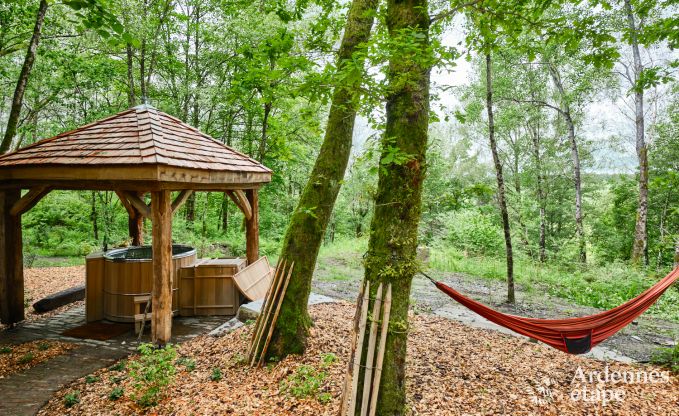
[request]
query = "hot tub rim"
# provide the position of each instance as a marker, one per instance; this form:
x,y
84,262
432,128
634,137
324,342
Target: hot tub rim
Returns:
x,y
108,255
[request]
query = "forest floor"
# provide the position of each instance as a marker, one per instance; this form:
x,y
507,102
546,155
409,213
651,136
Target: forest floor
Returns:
x,y
339,276
451,370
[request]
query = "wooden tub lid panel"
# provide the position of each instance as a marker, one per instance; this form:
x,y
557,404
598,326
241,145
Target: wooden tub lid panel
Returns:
x,y
254,280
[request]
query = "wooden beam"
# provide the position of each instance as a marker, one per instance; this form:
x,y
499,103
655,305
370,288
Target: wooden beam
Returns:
x,y
135,221
180,199
11,260
29,200
252,227
161,297
240,199
137,203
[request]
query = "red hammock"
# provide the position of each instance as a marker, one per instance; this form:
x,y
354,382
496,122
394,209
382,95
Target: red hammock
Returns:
x,y
573,335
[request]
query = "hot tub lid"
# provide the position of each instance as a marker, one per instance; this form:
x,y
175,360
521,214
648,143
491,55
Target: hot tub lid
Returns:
x,y
140,253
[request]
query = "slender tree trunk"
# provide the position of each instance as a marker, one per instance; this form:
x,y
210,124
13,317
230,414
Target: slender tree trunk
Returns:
x,y
190,210
307,226
392,248
676,253
93,216
540,194
265,128
131,99
575,156
502,200
225,213
18,99
640,230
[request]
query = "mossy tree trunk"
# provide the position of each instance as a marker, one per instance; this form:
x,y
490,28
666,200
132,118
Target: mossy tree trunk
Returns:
x,y
501,197
391,256
309,221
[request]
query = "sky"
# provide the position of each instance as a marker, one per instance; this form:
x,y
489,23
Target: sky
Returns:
x,y
609,123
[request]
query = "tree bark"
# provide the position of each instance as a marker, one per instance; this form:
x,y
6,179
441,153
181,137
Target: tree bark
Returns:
x,y
307,226
535,135
131,99
18,99
502,200
161,296
392,248
575,157
676,253
639,247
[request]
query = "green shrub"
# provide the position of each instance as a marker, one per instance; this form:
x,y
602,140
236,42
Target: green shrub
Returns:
x,y
119,366
26,358
116,393
216,374
474,232
667,357
152,372
307,381
43,346
72,398
188,363
5,350
91,379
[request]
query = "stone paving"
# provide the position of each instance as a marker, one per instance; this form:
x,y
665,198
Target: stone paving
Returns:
x,y
25,393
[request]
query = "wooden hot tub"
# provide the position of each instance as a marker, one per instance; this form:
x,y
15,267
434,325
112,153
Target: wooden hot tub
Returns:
x,y
121,274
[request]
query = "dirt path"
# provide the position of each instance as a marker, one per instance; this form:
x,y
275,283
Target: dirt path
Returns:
x,y
340,278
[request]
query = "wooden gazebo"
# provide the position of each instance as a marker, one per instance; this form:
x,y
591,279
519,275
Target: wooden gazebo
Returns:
x,y
137,151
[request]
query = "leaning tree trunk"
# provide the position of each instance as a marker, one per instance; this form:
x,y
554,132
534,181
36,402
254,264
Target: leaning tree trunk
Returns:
x,y
308,223
640,231
18,99
502,200
565,111
391,256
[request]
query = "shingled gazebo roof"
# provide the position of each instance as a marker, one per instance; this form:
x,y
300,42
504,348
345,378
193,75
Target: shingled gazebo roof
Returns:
x,y
140,148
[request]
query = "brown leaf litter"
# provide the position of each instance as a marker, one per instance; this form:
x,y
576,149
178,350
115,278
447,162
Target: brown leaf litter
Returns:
x,y
16,358
451,370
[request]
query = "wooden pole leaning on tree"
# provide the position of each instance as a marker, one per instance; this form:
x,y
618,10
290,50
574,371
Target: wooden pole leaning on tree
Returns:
x,y
351,378
263,312
266,320
373,373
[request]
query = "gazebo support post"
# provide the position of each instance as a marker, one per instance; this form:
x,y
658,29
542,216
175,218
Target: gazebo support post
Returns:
x,y
11,260
252,227
161,299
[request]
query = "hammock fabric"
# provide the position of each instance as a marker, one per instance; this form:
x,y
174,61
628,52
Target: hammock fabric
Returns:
x,y
573,335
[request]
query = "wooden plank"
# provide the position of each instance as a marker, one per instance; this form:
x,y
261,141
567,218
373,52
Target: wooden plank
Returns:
x,y
181,199
94,287
11,261
60,299
263,317
29,200
138,204
254,280
272,326
161,324
380,352
365,401
252,228
238,197
351,382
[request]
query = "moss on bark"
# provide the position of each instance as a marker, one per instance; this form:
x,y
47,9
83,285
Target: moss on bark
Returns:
x,y
308,223
391,256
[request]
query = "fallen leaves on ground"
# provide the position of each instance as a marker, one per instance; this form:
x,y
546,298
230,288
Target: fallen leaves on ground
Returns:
x,y
44,281
20,357
451,370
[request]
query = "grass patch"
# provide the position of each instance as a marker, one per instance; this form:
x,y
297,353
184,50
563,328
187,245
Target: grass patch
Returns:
x,y
603,287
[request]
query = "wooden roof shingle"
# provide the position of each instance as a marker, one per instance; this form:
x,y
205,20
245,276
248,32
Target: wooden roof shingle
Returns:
x,y
164,147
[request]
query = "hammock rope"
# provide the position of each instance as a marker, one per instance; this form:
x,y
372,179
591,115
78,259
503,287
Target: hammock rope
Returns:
x,y
571,335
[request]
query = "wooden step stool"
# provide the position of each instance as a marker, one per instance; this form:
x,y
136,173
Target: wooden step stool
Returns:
x,y
140,303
